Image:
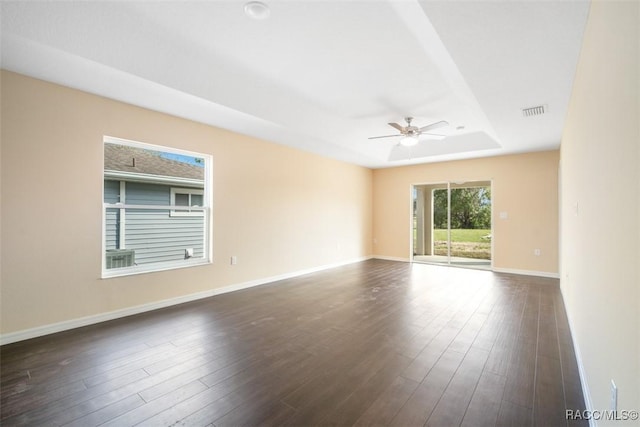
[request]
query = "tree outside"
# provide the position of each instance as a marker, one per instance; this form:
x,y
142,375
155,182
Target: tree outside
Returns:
x,y
470,208
470,222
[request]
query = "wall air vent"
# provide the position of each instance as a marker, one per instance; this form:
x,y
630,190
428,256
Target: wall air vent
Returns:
x,y
534,111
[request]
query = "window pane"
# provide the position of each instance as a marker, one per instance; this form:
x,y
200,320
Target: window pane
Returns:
x,y
140,182
182,199
196,200
152,236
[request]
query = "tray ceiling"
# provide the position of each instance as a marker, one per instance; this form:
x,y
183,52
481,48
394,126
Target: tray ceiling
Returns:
x,y
322,76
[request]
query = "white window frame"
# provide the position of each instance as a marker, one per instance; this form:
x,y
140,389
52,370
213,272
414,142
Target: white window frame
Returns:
x,y
189,191
205,211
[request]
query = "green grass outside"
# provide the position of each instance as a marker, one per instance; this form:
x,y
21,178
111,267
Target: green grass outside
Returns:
x,y
472,236
464,243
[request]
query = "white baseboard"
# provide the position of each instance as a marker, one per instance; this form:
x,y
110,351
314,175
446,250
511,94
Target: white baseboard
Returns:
x,y
588,403
527,272
497,270
391,258
116,314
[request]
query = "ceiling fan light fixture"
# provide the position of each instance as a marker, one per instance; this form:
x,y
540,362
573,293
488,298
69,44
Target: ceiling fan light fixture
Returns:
x,y
408,140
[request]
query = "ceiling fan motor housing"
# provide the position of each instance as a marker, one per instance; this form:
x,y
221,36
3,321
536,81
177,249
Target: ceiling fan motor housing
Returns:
x,y
412,131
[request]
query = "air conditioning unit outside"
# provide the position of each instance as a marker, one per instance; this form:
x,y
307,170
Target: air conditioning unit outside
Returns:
x,y
118,258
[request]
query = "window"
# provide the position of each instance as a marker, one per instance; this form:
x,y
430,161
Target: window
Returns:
x,y
156,212
189,197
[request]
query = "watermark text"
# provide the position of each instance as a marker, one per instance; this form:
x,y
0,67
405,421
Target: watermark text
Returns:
x,y
597,415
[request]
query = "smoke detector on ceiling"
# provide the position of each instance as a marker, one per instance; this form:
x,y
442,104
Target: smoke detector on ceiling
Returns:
x,y
538,110
257,10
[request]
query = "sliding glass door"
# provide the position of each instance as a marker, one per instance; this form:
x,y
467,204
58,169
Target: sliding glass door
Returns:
x,y
452,223
430,234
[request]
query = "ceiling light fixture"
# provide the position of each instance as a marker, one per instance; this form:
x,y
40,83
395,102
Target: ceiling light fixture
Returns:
x,y
408,140
257,10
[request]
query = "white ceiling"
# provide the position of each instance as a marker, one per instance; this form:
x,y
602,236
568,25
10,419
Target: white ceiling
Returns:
x,y
322,76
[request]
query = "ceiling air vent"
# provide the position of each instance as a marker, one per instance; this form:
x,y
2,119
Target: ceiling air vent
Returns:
x,y
534,111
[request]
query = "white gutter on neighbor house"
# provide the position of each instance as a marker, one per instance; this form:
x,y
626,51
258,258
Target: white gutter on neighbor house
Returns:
x,y
156,179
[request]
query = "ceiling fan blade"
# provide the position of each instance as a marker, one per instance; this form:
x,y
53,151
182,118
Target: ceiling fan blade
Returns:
x,y
435,125
397,126
386,136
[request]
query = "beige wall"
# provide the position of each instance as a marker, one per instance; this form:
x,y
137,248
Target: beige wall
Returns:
x,y
277,209
524,186
600,159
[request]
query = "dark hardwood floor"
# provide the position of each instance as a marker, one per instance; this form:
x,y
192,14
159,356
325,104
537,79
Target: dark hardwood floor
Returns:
x,y
373,343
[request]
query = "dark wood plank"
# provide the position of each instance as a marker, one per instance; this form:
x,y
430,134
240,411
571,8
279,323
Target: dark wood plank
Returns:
x,y
372,343
513,415
549,405
388,403
150,409
574,401
422,364
364,395
418,408
105,413
520,383
484,407
453,404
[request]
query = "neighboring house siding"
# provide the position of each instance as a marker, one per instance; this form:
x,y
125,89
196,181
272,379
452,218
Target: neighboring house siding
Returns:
x,y
148,194
112,195
155,235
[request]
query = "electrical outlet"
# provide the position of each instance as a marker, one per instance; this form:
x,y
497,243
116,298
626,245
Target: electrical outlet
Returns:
x,y
536,252
234,260
614,397
504,215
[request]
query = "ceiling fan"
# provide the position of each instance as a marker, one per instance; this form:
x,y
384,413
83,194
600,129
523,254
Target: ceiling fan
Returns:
x,y
410,134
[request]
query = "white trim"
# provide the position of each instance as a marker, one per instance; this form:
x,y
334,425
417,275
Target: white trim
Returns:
x,y
122,217
468,183
527,272
588,402
153,267
129,311
411,200
204,211
496,270
391,258
153,179
149,207
449,208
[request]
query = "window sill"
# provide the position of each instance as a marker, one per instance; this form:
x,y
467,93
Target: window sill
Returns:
x,y
143,269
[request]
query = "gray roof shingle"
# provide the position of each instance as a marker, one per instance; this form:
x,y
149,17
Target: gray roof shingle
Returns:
x,y
120,158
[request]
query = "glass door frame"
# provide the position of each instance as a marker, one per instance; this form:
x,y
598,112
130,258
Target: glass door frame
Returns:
x,y
413,217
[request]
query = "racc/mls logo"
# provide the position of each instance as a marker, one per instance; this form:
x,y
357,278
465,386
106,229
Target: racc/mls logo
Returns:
x,y
607,415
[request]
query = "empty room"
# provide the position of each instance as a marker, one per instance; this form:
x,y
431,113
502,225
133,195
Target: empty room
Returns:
x,y
311,213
